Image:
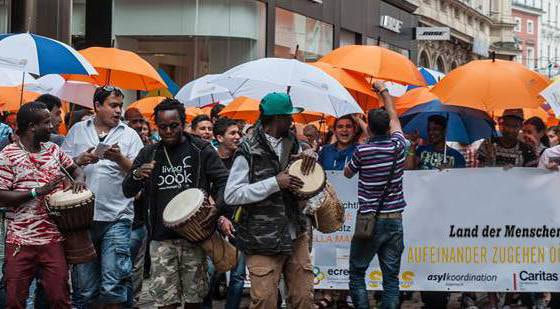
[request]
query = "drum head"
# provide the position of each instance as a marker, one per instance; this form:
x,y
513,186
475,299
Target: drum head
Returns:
x,y
182,207
312,182
67,198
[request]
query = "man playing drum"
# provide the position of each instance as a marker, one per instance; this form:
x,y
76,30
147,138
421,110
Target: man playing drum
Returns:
x,y
30,170
105,146
179,162
271,229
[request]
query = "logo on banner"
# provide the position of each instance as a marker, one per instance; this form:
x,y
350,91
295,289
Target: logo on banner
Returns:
x,y
532,278
450,279
318,275
406,279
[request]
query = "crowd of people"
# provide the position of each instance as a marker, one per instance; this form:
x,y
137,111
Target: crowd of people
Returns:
x,y
242,169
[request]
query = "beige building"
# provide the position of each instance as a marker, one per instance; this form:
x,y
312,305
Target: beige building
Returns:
x,y
477,28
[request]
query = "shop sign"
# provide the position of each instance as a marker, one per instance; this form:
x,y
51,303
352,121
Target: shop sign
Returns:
x,y
391,23
433,33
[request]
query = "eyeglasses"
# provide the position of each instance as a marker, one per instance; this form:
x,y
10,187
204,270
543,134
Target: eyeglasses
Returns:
x,y
173,126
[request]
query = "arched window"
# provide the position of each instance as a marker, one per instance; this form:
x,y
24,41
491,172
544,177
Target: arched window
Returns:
x,y
440,65
424,60
454,65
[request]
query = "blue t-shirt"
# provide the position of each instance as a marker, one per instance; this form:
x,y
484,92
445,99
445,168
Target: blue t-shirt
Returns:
x,y
331,158
431,159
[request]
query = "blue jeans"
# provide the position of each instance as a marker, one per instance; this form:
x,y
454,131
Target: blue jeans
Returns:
x,y
138,242
105,280
236,283
388,244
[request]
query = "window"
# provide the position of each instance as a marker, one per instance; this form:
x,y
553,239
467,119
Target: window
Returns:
x,y
530,57
517,24
347,38
442,6
188,48
469,20
313,38
530,29
440,65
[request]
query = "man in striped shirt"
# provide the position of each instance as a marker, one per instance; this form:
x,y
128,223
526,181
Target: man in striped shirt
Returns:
x,y
373,162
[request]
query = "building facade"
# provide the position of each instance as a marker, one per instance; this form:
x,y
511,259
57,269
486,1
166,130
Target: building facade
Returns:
x,y
477,29
191,38
526,15
549,39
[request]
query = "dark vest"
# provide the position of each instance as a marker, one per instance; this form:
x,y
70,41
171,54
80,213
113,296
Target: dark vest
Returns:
x,y
263,227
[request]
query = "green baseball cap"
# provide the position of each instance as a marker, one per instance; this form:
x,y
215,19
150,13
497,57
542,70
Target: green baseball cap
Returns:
x,y
278,104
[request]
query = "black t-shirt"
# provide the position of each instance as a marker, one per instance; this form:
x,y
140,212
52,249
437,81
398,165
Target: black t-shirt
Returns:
x,y
170,180
228,162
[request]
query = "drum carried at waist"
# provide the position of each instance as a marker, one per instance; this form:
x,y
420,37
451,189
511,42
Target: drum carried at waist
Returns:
x,y
313,183
327,210
191,215
73,214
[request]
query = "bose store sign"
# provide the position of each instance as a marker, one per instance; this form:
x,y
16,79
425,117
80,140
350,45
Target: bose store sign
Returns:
x,y
391,23
433,33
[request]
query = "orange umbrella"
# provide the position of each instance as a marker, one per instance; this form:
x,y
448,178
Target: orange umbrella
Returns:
x,y
377,62
414,97
11,98
247,109
146,105
546,116
492,85
120,68
352,81
195,111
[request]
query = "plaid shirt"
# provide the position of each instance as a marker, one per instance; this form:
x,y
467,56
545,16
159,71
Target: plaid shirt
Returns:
x,y
469,152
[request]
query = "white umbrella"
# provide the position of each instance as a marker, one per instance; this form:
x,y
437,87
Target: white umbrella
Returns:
x,y
308,86
200,92
12,78
80,93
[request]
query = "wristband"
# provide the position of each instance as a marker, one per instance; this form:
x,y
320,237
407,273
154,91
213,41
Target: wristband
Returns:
x,y
382,90
34,193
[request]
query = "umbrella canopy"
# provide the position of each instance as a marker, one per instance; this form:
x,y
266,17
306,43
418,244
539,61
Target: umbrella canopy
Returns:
x,y
308,86
464,125
200,92
247,109
80,93
13,78
377,62
546,116
413,98
41,55
146,105
492,85
192,112
350,80
11,98
431,77
120,68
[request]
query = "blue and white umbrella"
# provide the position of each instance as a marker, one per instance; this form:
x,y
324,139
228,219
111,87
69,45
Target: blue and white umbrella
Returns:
x,y
431,76
40,55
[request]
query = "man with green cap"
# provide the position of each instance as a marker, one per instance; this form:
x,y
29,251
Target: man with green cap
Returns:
x,y
270,227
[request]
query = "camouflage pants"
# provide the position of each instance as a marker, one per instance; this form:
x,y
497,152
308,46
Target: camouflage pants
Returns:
x,y
178,272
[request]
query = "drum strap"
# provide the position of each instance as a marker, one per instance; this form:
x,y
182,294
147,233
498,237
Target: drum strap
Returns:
x,y
388,184
284,159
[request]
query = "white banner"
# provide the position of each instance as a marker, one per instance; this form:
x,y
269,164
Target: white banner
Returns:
x,y
464,230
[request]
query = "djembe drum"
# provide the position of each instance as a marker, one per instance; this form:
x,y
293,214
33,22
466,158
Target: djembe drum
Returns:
x,y
73,214
191,215
313,183
327,210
